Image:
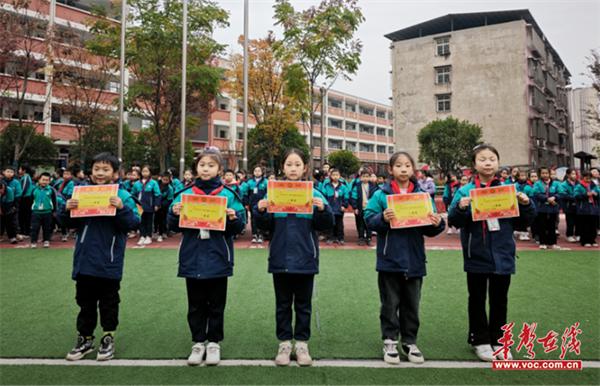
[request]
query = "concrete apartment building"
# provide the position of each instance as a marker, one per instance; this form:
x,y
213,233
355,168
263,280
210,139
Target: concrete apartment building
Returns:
x,y
583,102
495,69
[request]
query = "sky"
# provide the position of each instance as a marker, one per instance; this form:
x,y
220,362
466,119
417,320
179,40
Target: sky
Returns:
x,y
571,26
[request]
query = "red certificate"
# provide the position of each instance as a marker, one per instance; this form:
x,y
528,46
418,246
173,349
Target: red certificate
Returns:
x,y
203,212
411,210
94,200
290,197
495,202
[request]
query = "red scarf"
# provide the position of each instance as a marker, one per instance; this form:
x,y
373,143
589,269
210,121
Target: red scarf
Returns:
x,y
587,187
62,186
201,192
396,187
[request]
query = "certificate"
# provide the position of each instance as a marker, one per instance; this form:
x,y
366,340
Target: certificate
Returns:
x,y
94,200
203,212
290,197
495,202
411,210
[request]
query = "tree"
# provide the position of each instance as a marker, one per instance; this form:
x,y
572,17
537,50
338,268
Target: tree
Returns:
x,y
259,153
39,150
345,161
447,144
84,91
322,42
18,48
154,41
593,112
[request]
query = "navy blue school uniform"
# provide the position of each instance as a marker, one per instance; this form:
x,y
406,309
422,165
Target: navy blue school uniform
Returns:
x,y
206,260
400,266
587,211
337,196
358,201
254,190
148,195
293,261
489,261
568,204
98,263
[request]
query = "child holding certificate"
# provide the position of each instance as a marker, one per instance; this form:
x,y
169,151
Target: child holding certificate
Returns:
x,y
489,255
98,261
294,261
400,260
206,257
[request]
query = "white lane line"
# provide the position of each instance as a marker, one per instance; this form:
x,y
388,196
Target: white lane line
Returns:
x,y
258,363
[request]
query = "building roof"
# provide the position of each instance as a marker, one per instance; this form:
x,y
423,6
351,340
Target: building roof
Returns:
x,y
458,21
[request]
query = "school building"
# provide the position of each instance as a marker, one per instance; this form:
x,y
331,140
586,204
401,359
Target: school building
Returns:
x,y
584,105
495,69
353,123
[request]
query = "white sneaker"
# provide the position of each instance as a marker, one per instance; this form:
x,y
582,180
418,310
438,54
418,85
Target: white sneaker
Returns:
x,y
524,236
283,353
302,355
148,241
65,238
500,356
595,245
587,245
578,238
46,244
484,352
571,239
197,354
449,231
141,241
542,246
556,246
213,354
33,246
557,232
20,237
390,352
160,239
254,239
412,353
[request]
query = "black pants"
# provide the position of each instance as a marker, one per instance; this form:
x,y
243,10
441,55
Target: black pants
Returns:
x,y
337,233
160,220
547,228
293,289
44,221
586,226
571,224
399,313
146,225
255,230
361,227
206,308
481,329
25,215
93,293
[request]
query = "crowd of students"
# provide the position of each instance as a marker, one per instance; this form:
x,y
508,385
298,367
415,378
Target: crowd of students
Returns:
x,y
206,258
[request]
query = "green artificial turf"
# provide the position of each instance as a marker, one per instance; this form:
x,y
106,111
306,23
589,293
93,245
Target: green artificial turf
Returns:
x,y
38,310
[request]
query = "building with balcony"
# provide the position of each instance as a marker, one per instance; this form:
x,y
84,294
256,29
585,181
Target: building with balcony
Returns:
x,y
584,103
495,69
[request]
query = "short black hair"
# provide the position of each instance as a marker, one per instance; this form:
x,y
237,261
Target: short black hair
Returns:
x,y
107,158
9,167
229,171
332,170
365,171
166,174
484,146
45,174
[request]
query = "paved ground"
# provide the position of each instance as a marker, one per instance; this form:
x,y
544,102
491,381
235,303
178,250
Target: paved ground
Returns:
x,y
443,241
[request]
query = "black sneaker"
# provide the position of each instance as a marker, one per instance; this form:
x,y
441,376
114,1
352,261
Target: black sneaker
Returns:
x,y
107,348
84,346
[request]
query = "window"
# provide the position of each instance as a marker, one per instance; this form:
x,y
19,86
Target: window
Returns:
x,y
240,135
316,142
39,75
366,147
442,103
335,103
366,110
316,121
335,144
380,149
350,146
351,126
380,114
442,46
366,129
442,74
391,150
240,106
381,131
335,123
221,131
350,107
55,115
222,104
391,133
